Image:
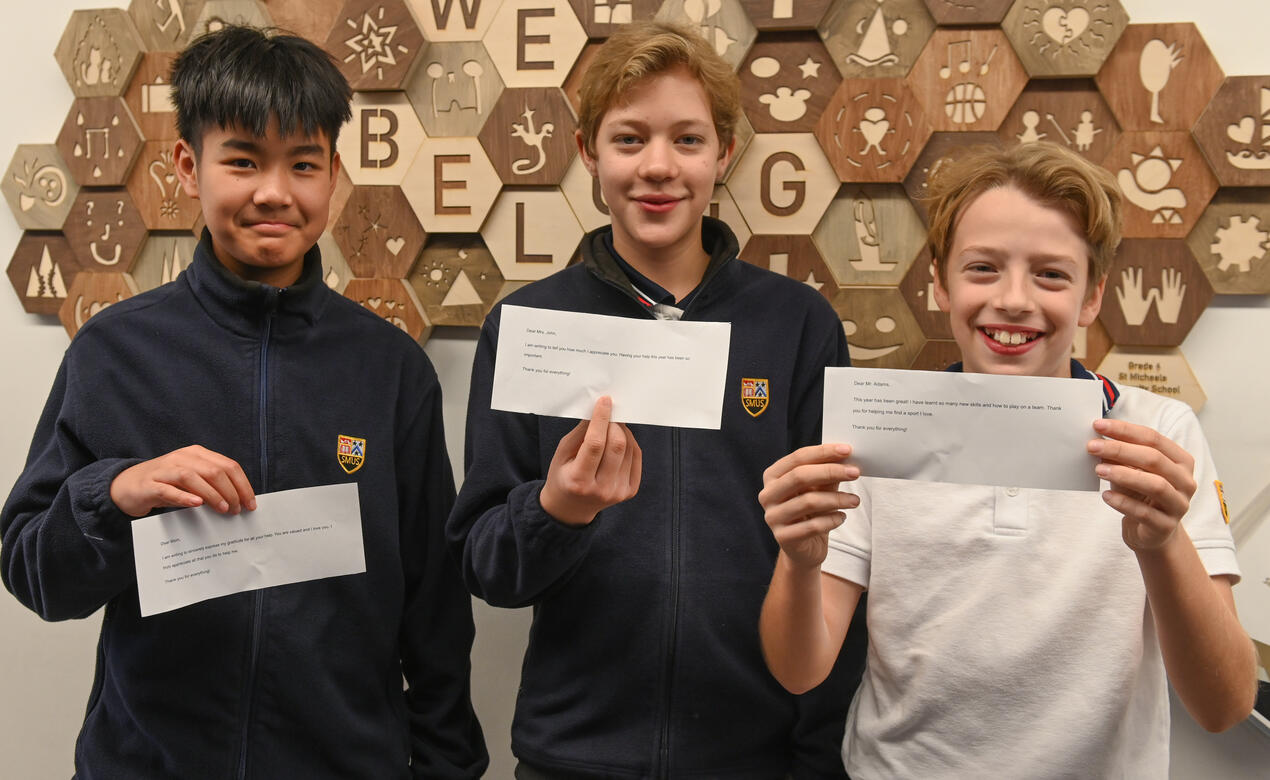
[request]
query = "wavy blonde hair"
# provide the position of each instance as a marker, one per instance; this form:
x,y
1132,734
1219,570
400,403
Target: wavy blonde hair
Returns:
x,y
644,49
1050,174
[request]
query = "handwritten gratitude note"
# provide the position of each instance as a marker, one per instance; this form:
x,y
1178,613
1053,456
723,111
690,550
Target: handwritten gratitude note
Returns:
x,y
658,372
192,555
979,429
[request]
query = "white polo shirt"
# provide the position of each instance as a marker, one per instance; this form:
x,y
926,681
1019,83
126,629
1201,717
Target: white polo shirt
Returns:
x,y
1009,631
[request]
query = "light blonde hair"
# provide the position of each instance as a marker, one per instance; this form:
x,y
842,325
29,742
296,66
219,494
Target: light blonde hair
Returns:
x,y
1050,174
644,49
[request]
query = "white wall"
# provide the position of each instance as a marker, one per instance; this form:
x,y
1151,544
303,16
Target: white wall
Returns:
x,y
46,669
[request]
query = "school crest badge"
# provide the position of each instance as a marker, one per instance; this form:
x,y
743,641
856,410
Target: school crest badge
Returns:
x,y
754,395
351,452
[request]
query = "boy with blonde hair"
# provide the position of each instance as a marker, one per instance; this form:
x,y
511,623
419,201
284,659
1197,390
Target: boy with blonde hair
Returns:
x,y
1017,632
640,548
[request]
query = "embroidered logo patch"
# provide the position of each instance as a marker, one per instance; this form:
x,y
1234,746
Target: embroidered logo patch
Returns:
x,y
754,395
1221,499
351,452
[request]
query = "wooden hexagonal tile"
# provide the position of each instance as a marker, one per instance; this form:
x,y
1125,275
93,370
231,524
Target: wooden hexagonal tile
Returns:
x,y
768,15
872,130
531,233
378,233
1155,293
602,18
1091,344
1064,38
881,331
216,14
918,289
149,97
1159,77
99,140
456,279
38,187
1070,112
451,185
723,23
1165,183
534,42
573,82
311,19
937,355
794,256
335,271
582,191
98,52
1231,241
1163,371
90,293
939,150
42,270
1234,132
529,136
454,88
375,43
165,25
783,184
870,234
876,38
156,192
105,230
967,79
723,207
162,259
378,146
393,300
786,81
454,20
953,13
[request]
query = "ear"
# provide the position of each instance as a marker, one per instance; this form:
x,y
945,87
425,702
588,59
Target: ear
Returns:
x,y
1092,305
941,292
724,159
186,167
587,159
336,165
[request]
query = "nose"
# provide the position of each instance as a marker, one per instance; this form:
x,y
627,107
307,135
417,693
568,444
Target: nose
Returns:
x,y
657,163
1014,292
273,188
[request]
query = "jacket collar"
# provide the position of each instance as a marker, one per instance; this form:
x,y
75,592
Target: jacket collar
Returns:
x,y
241,306
716,238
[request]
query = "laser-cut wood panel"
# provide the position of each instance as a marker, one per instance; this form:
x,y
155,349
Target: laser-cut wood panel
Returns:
x,y
89,294
41,270
38,187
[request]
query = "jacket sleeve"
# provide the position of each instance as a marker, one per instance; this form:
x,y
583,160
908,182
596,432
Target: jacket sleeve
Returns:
x,y
436,623
509,549
66,548
822,712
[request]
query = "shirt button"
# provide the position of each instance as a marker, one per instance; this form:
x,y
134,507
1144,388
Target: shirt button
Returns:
x,y
1012,491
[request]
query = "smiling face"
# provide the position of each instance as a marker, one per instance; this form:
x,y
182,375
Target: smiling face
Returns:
x,y
265,199
657,157
1016,286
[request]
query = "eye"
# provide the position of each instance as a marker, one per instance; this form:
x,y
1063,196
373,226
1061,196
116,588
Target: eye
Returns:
x,y
1051,273
626,140
306,166
239,162
692,140
979,267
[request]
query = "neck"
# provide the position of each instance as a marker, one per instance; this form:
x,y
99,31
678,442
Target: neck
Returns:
x,y
677,269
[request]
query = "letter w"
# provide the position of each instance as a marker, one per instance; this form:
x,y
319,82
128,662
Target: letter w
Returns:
x,y
441,12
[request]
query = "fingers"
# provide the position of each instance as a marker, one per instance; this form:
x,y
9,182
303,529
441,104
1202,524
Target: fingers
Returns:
x,y
832,452
1132,453
191,476
595,439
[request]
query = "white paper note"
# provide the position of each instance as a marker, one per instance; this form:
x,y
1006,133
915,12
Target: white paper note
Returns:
x,y
191,555
658,372
978,429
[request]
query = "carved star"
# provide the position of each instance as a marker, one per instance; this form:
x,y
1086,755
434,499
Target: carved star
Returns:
x,y
810,68
373,43
811,282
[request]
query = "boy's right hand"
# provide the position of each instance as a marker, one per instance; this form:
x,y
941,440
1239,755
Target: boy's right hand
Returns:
x,y
596,465
802,502
190,476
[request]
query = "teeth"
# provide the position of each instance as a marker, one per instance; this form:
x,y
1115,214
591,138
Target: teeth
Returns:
x,y
1010,338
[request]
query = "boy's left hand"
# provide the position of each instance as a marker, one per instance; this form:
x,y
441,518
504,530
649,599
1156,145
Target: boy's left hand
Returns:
x,y
1152,481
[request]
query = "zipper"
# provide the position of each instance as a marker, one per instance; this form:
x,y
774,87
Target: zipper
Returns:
x,y
663,758
258,598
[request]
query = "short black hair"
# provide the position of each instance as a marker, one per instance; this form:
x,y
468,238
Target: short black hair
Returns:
x,y
242,76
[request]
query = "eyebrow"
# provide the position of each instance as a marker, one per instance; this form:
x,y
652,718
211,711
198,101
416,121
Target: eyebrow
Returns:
x,y
245,145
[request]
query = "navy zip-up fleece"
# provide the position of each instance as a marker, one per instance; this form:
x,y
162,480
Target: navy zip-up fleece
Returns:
x,y
644,657
301,680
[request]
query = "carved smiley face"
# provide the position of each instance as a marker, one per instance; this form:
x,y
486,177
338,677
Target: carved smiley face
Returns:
x,y
881,331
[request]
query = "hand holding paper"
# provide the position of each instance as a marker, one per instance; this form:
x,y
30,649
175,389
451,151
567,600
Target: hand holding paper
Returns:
x,y
596,465
802,503
190,476
1152,481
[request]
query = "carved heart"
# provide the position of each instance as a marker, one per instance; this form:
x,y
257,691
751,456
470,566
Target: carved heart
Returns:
x,y
1241,133
391,305
395,244
374,302
1064,26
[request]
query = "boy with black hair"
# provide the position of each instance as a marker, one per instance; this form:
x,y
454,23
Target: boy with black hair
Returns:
x,y
243,375
641,548
1018,632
